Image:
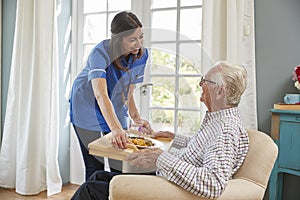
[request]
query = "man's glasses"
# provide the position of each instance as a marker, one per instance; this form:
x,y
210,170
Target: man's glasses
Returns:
x,y
203,80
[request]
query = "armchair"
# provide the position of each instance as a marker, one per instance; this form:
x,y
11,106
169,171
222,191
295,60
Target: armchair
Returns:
x,y
249,182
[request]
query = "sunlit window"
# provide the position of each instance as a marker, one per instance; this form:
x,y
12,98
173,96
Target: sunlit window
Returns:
x,y
175,65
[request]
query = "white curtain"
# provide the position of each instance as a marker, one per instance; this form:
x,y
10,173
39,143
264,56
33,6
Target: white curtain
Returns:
x,y
29,151
228,34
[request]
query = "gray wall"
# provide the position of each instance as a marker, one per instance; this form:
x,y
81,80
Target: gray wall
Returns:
x,y
8,27
277,25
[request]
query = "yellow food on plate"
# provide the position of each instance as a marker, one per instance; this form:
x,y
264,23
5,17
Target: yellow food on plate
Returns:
x,y
140,141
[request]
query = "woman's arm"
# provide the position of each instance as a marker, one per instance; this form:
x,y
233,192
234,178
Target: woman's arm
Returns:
x,y
119,137
134,113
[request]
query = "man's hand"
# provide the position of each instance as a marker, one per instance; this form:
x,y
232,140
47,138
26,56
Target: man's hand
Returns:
x,y
163,134
144,158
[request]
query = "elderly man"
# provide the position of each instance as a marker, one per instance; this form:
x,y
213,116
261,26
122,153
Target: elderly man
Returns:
x,y
205,162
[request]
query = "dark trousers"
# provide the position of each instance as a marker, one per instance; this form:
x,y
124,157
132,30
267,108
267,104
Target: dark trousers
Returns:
x,y
97,186
93,163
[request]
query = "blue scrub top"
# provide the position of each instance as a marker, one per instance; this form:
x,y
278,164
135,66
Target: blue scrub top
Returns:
x,y
84,110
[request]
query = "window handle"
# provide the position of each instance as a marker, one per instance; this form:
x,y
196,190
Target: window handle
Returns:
x,y
143,88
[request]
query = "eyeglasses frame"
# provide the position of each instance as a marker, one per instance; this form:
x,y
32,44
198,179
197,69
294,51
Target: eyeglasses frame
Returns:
x,y
203,80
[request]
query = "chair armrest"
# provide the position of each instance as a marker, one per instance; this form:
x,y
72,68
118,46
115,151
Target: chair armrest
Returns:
x,y
242,189
146,187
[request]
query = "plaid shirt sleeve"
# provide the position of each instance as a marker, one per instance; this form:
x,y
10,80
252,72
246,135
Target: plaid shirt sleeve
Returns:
x,y
180,141
207,174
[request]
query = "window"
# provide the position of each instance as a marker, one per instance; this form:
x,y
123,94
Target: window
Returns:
x,y
175,65
173,37
97,17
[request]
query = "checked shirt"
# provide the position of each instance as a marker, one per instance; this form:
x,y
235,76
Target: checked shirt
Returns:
x,y
203,163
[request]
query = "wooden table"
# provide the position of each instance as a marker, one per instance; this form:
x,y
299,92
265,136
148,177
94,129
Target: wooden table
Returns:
x,y
102,147
285,131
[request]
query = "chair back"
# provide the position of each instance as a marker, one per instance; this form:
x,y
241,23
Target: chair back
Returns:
x,y
260,158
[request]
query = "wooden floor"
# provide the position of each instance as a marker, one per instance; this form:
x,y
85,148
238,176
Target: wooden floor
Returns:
x,y
66,194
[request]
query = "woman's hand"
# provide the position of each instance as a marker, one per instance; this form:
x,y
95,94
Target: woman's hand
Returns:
x,y
144,126
119,138
163,134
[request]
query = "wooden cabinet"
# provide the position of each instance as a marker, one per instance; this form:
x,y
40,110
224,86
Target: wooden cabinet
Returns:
x,y
285,131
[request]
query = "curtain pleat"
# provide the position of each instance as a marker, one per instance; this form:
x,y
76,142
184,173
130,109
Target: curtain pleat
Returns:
x,y
228,34
29,151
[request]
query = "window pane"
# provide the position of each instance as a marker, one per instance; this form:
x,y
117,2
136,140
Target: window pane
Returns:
x,y
190,2
189,122
94,6
189,92
94,28
191,24
118,5
168,47
162,21
162,62
163,3
163,92
187,67
162,120
190,61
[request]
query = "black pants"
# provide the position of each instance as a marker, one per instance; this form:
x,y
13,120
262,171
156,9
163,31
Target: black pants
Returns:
x,y
93,163
97,186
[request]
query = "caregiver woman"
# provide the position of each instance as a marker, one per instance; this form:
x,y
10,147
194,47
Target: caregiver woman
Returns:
x,y
101,96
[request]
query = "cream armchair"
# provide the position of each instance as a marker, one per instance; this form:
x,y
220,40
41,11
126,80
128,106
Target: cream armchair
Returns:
x,y
249,182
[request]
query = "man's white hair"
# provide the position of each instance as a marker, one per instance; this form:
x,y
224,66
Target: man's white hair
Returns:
x,y
233,78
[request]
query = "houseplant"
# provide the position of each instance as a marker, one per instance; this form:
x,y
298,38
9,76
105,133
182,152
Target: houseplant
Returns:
x,y
296,77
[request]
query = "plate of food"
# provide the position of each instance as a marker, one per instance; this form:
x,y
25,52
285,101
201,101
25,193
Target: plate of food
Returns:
x,y
144,142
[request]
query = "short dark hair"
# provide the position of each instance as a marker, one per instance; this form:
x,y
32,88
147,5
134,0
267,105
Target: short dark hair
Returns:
x,y
123,24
